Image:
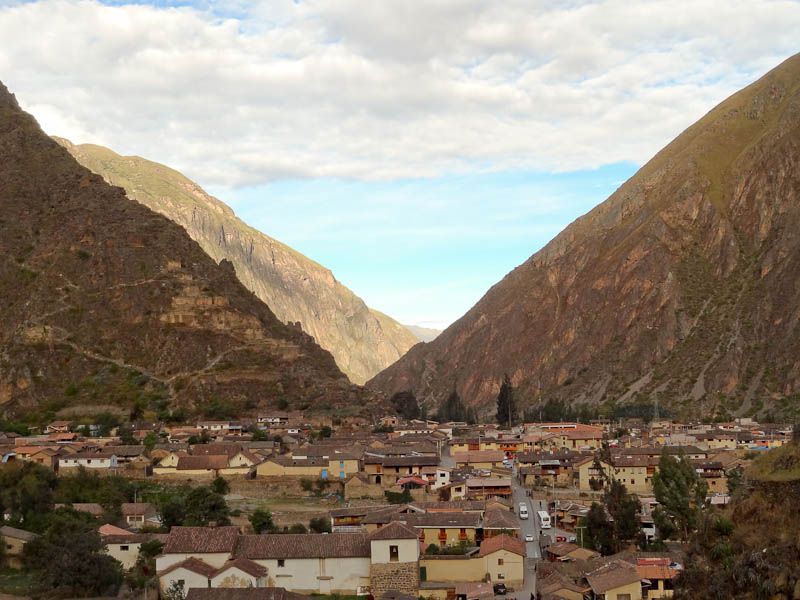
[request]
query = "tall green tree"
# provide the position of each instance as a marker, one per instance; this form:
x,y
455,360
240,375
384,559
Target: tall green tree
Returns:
x,y
26,491
453,409
506,408
599,530
70,558
624,509
681,493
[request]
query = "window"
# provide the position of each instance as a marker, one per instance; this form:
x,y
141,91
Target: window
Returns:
x,y
499,562
281,562
623,597
501,576
394,554
123,548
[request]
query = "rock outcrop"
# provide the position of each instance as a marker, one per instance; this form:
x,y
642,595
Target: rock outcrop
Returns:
x,y
297,289
105,302
680,288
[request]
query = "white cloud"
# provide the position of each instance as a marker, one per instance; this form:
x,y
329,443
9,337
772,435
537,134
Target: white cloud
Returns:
x,y
388,89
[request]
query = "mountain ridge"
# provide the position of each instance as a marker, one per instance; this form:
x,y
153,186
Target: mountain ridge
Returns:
x,y
610,311
297,288
106,302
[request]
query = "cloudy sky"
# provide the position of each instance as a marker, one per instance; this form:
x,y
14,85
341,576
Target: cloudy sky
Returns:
x,y
419,149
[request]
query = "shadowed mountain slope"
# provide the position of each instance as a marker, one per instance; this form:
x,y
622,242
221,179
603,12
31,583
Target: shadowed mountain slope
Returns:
x,y
103,301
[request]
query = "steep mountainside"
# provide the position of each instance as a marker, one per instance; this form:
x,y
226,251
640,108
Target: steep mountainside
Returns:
x,y
295,287
424,334
682,286
103,301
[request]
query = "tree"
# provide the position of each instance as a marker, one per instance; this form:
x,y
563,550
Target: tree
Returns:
x,y
259,435
82,570
175,591
325,432
150,440
624,510
297,528
26,491
320,525
453,409
597,483
306,484
173,512
599,529
220,486
406,405
204,506
506,410
681,493
262,522
145,568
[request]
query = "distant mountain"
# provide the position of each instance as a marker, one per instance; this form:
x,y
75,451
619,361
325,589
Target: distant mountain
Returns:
x,y
681,287
424,334
295,287
105,302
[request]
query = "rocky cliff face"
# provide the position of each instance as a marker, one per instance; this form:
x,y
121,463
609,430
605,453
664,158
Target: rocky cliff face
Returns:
x,y
295,287
103,301
681,287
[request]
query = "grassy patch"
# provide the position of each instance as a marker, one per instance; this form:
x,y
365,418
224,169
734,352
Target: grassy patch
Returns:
x,y
17,583
780,464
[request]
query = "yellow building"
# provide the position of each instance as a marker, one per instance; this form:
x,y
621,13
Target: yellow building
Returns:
x,y
473,445
14,540
317,468
502,558
482,459
616,580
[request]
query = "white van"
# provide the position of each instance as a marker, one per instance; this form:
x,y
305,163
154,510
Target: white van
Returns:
x,y
523,510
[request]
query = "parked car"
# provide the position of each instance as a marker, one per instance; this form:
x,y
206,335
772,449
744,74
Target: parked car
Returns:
x,y
529,537
500,589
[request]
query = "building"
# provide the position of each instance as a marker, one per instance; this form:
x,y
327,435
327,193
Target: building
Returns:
x,y
14,541
479,459
333,467
615,580
336,563
502,558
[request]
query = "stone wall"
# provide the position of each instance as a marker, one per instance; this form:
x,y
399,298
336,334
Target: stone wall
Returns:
x,y
400,577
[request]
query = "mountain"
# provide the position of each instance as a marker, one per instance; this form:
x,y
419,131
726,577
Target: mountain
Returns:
x,y
296,288
105,302
680,288
424,334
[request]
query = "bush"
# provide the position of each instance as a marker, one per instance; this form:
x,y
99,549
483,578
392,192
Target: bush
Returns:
x,y
320,525
403,497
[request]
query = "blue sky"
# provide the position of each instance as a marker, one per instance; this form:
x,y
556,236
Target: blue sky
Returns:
x,y
424,250
420,149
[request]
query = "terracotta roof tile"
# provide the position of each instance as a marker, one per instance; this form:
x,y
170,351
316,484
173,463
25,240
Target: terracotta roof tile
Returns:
x,y
201,540
303,545
612,575
191,564
502,542
394,531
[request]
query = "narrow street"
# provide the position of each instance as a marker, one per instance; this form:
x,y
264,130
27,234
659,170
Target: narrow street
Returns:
x,y
529,526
